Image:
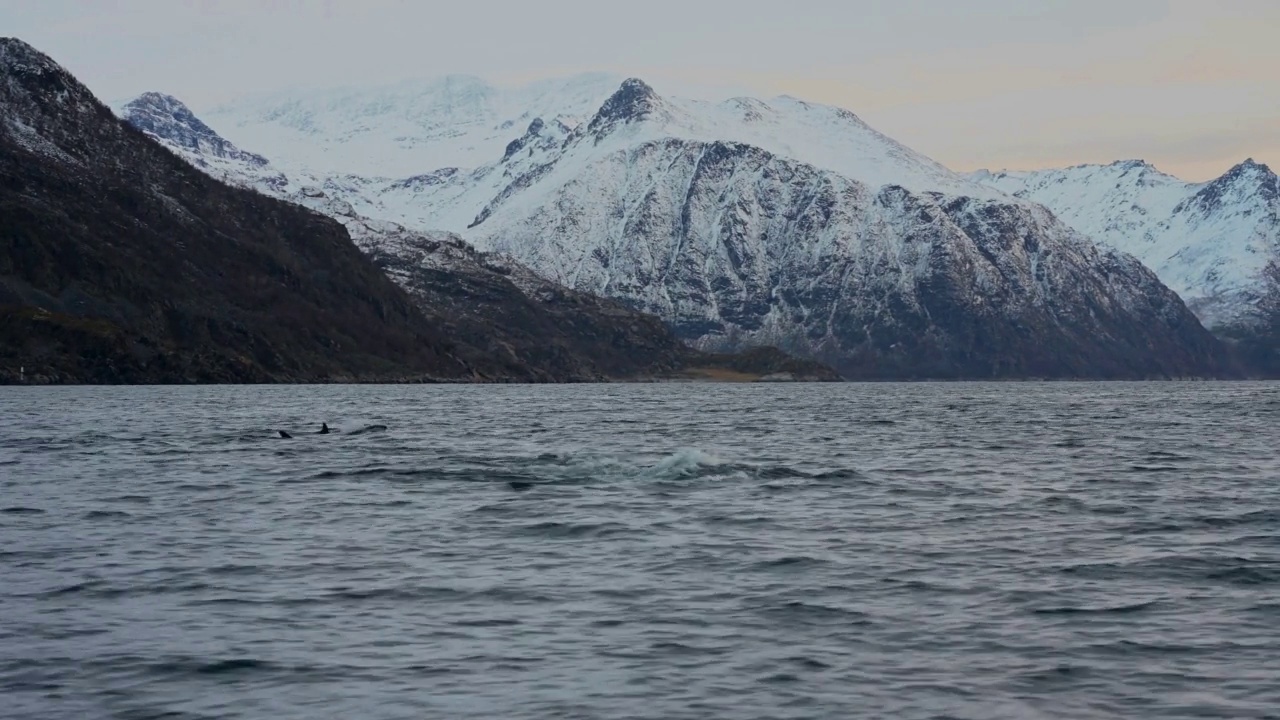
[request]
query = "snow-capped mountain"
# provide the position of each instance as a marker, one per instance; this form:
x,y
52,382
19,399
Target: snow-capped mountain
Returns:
x,y
1211,242
159,114
122,262
164,116
462,122
404,129
749,222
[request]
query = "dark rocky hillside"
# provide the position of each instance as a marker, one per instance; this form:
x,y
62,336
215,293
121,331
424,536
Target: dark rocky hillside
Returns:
x,y
1257,344
119,262
520,320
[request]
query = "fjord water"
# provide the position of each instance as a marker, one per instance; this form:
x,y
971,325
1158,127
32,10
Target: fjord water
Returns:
x,y
641,551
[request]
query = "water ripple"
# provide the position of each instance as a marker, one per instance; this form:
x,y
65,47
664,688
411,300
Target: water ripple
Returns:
x,y
641,551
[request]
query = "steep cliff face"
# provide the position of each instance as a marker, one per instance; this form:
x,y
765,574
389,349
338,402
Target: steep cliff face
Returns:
x,y
165,116
1210,242
516,319
521,320
119,262
1257,342
807,230
738,247
531,327
1216,243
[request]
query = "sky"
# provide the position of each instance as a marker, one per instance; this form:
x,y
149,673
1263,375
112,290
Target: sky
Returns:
x,y
1192,86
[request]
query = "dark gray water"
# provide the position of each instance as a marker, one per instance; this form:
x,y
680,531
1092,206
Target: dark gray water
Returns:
x,y
649,551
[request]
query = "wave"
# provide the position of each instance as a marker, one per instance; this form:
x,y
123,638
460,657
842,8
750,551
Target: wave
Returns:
x,y
132,499
809,663
790,562
673,647
487,622
808,613
1176,524
101,590
403,594
1247,575
528,473
1123,609
559,530
222,667
691,463
368,429
721,519
686,462
1230,570
106,515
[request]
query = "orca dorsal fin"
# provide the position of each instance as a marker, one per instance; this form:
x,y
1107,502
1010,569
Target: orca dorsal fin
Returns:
x,y
285,435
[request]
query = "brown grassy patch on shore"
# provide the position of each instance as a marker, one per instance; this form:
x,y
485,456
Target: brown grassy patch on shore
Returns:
x,y
718,375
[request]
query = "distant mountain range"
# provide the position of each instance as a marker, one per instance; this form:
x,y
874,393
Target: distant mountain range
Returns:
x,y
403,129
1210,242
740,223
453,231
121,262
1217,243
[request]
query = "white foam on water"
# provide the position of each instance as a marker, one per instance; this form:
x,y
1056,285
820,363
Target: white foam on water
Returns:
x,y
685,461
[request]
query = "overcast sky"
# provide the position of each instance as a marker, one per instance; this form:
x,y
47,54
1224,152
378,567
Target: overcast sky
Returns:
x,y
1190,85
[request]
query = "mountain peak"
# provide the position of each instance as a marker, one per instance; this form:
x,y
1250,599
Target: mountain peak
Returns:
x,y
1245,174
1242,186
1249,167
167,118
41,100
1246,178
35,72
1133,164
634,100
16,55
539,135
147,108
157,100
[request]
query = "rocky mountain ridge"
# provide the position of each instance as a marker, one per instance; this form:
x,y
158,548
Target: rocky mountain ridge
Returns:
x,y
122,263
1216,243
125,262
735,245
1210,242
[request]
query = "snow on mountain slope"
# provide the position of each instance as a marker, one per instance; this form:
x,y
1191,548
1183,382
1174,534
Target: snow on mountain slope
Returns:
x,y
415,128
1210,242
159,114
820,136
737,246
499,312
893,270
166,118
405,129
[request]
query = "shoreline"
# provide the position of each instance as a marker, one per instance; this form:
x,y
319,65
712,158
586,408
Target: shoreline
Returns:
x,y
694,379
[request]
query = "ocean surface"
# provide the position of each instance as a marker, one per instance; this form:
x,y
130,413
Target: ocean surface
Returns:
x,y
1015,550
